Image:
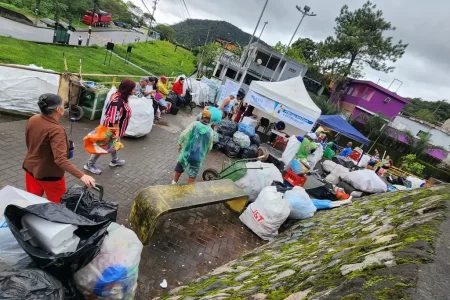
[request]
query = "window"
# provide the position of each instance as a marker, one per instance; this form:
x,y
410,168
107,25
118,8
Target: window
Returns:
x,y
422,133
367,94
387,100
350,90
400,126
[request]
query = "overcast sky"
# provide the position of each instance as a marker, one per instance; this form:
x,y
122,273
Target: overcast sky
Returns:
x,y
423,24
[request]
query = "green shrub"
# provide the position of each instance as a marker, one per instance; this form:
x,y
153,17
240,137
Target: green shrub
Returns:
x,y
411,165
432,171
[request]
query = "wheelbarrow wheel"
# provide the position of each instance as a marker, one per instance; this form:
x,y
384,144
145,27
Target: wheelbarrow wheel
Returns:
x,y
192,105
76,112
210,174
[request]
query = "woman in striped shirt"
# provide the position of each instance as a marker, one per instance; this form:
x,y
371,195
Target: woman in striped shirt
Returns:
x,y
117,116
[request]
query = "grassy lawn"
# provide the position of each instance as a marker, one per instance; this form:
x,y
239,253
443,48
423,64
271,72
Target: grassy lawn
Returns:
x,y
158,58
30,15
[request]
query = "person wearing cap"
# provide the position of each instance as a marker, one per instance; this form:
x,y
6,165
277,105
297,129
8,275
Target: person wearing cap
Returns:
x,y
227,105
162,86
279,126
216,115
306,147
194,144
347,150
178,88
47,157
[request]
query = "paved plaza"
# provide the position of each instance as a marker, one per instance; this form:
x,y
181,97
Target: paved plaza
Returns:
x,y
186,244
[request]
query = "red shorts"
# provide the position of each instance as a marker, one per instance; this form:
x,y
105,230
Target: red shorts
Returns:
x,y
54,190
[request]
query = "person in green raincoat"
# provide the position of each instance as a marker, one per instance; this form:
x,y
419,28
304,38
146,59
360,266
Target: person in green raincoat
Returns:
x,y
306,147
194,143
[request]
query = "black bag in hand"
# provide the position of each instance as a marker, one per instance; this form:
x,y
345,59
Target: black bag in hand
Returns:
x,y
83,202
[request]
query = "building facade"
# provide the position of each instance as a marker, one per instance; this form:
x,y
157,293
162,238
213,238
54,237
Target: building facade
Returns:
x,y
364,98
260,64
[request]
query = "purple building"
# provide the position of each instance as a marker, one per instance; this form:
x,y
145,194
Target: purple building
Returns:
x,y
365,98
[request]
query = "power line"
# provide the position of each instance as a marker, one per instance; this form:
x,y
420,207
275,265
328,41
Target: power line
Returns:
x,y
186,9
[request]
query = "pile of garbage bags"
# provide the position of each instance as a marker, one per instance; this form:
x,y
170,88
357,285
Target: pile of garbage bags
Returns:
x,y
272,208
237,140
65,254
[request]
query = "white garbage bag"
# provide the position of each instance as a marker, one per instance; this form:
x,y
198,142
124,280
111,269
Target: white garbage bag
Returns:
x,y
336,174
291,150
112,91
315,157
113,273
142,117
364,161
329,165
266,214
301,204
11,253
366,181
415,182
241,139
259,175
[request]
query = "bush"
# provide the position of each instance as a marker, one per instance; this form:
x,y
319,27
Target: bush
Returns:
x,y
432,171
411,165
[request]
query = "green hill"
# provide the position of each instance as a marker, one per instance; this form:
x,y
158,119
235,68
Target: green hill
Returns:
x,y
193,33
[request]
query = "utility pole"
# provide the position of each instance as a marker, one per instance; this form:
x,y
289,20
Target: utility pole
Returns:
x,y
36,11
203,52
305,12
92,20
244,54
152,17
259,38
56,21
437,108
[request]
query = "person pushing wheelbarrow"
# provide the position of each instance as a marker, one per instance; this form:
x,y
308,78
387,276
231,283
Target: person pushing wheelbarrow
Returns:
x,y
194,144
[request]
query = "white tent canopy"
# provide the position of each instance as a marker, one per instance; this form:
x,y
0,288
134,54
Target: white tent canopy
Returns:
x,y
289,93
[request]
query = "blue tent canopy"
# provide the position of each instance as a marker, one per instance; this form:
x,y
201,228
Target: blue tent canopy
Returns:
x,y
338,124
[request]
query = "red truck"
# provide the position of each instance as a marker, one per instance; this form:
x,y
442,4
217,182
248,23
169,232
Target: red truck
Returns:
x,y
101,18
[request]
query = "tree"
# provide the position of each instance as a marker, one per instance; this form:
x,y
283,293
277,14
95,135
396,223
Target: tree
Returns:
x,y
410,164
308,48
208,55
294,53
374,125
166,32
362,40
425,115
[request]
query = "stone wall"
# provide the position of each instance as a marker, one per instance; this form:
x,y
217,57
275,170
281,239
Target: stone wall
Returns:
x,y
373,249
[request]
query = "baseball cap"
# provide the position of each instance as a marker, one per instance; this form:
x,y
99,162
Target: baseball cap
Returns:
x,y
163,77
312,135
206,114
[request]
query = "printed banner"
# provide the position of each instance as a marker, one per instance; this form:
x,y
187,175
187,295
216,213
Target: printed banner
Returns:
x,y
260,102
293,117
229,87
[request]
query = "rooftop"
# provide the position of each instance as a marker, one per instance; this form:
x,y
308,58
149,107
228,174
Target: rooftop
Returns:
x,y
382,89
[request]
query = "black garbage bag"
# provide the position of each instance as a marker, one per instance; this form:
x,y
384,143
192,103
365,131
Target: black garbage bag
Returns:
x,y
90,206
227,127
255,140
231,149
223,140
250,152
30,284
63,265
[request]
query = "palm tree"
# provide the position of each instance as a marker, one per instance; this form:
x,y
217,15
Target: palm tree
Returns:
x,y
418,146
374,125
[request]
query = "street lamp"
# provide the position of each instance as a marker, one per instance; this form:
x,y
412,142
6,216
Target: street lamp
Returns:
x,y
305,12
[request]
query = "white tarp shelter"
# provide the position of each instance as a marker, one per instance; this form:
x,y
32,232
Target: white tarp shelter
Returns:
x,y
287,101
20,88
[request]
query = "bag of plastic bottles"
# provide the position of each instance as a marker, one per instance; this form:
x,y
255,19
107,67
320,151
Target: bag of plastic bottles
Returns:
x,y
113,273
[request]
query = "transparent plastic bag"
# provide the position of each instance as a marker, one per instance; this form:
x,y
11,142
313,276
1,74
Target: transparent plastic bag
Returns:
x,y
113,273
12,256
241,139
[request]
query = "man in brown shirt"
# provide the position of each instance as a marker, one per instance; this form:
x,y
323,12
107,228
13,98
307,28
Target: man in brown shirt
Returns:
x,y
47,160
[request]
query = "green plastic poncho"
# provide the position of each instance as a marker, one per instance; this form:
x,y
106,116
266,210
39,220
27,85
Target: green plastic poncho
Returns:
x,y
305,149
329,152
196,141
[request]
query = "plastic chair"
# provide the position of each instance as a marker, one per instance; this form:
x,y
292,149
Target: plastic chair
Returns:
x,y
264,123
281,140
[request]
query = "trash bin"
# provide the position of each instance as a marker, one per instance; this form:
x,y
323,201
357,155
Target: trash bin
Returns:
x,y
92,101
62,36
